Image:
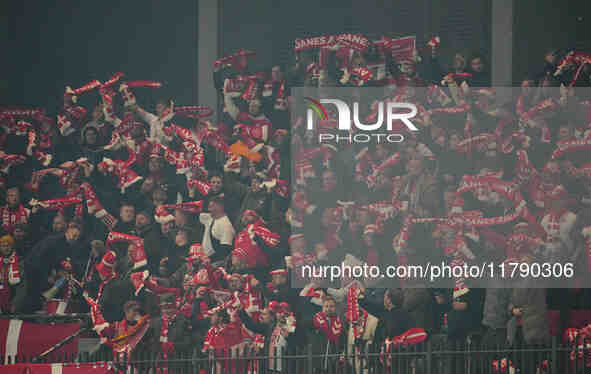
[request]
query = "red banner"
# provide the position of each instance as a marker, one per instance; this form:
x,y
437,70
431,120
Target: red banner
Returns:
x,y
88,368
18,338
403,48
354,41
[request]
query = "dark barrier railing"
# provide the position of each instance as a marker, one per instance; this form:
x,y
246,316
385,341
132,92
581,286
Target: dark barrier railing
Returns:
x,y
49,318
436,356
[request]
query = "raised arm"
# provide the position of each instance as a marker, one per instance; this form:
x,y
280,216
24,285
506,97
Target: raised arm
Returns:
x,y
231,107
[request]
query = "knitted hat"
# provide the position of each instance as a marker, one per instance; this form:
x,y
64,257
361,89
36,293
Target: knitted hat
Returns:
x,y
278,272
295,236
370,229
559,192
107,264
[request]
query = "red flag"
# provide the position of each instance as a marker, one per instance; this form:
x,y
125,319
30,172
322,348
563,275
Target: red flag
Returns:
x,y
31,339
65,368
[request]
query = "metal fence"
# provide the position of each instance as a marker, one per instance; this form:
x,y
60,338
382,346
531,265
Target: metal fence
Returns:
x,y
436,356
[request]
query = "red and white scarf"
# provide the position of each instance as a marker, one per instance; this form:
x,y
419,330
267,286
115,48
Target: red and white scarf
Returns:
x,y
122,169
9,276
166,346
354,41
552,224
524,169
103,284
11,218
507,189
184,304
566,146
332,327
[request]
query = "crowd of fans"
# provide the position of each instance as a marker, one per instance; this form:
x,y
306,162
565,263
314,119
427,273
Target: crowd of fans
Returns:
x,y
191,231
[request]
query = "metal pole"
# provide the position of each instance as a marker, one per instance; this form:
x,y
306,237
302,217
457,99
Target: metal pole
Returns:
x,y
60,344
428,358
310,366
554,361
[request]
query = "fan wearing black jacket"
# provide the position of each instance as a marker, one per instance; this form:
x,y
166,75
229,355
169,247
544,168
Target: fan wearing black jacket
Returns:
x,y
277,330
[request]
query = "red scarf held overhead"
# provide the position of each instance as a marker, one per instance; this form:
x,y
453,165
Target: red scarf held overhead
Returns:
x,y
9,276
332,327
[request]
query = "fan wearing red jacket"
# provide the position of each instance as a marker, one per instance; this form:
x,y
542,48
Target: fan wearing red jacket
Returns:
x,y
225,338
128,337
327,337
12,282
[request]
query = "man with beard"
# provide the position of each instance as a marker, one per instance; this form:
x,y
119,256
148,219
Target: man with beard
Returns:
x,y
327,337
49,253
24,240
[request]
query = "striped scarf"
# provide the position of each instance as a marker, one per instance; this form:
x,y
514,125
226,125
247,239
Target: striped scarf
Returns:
x,y
9,276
